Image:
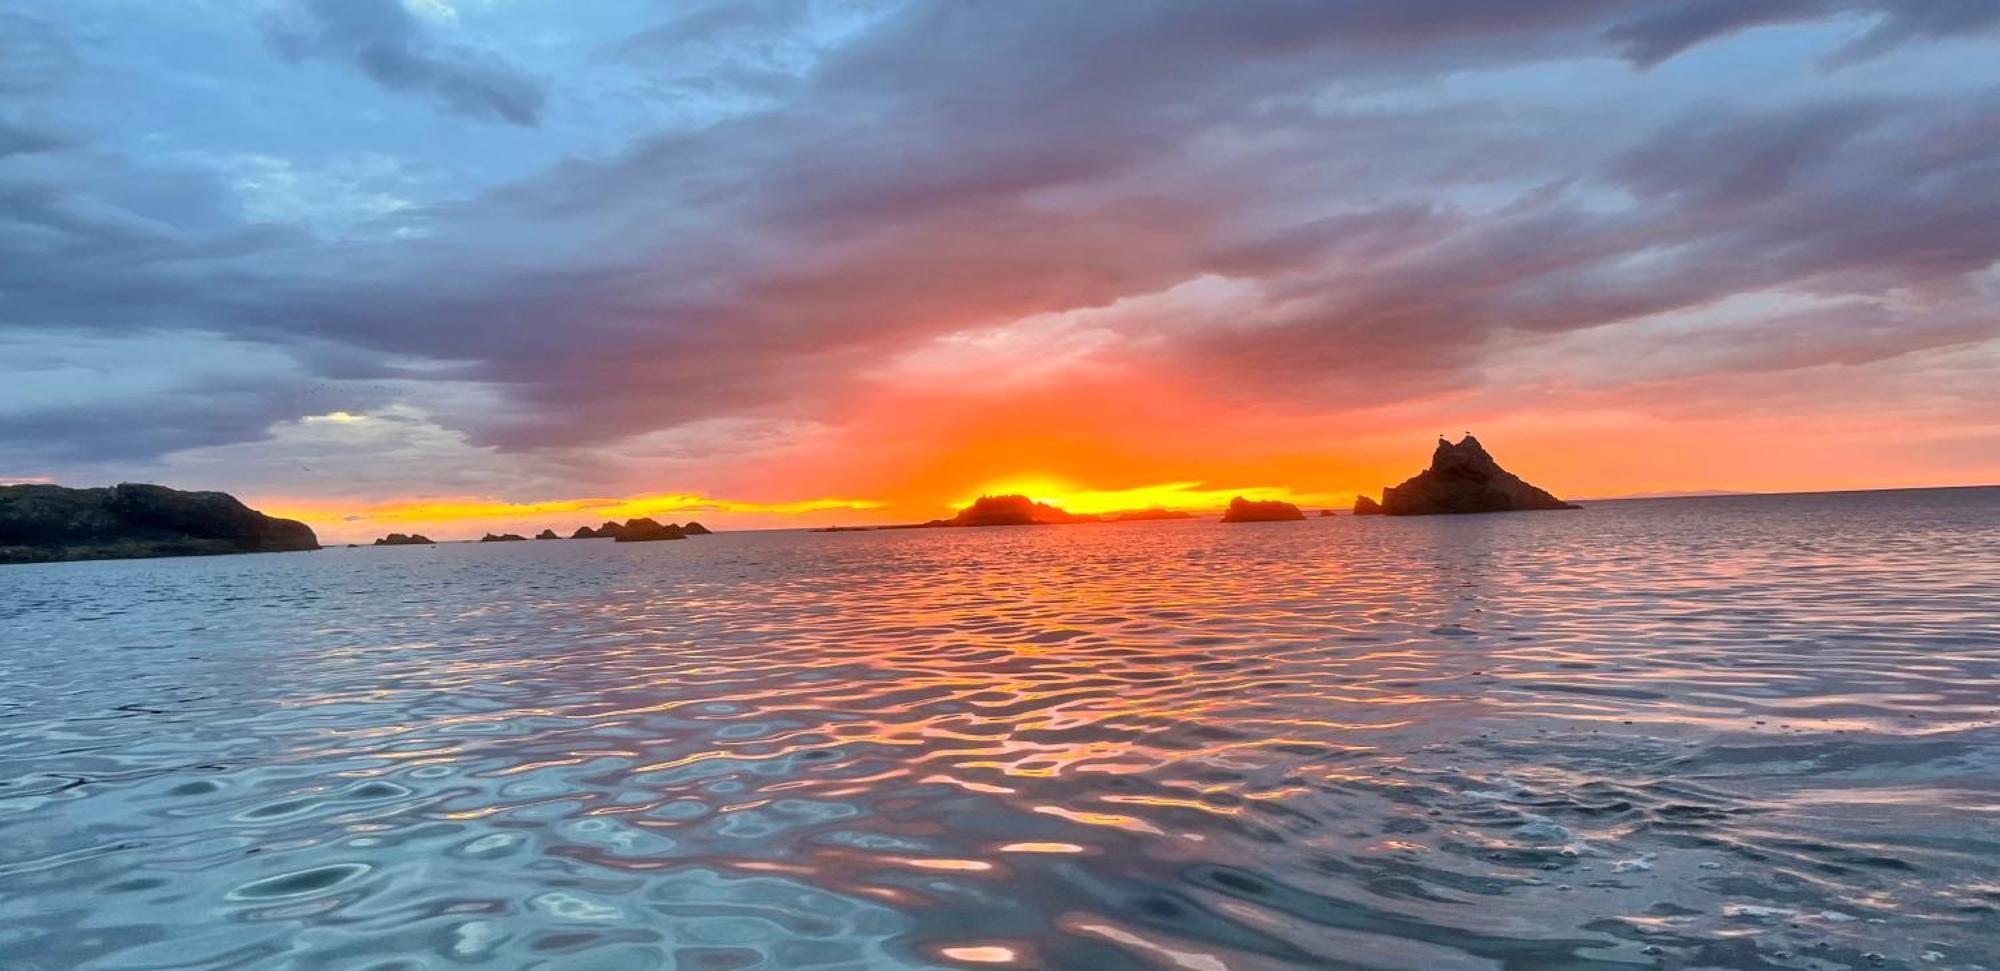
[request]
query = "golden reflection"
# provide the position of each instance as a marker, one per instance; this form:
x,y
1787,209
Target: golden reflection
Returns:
x,y
1043,848
982,954
1112,820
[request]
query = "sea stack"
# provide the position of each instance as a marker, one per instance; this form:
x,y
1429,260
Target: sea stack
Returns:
x,y
1243,510
646,531
693,528
1364,506
547,534
43,523
1463,478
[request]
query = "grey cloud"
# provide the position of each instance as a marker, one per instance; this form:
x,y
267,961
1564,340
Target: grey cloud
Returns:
x,y
387,43
960,165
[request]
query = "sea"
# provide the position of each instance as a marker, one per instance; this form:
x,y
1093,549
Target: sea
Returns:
x,y
1739,732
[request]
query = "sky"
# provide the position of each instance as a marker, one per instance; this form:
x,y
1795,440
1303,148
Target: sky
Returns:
x,y
463,265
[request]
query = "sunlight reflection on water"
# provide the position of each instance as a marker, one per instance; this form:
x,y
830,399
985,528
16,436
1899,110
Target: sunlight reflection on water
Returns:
x,y
1715,732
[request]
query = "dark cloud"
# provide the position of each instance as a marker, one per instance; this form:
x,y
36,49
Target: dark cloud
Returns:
x,y
956,166
383,40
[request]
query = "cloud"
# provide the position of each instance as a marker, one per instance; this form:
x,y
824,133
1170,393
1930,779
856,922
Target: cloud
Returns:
x,y
390,45
1280,205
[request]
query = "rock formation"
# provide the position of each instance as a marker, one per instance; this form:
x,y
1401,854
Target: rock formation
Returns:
x,y
503,538
693,528
1464,479
46,522
1364,506
1010,511
1243,510
401,539
583,532
547,534
645,531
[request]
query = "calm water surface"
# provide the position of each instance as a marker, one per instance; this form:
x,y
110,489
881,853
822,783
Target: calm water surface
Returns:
x,y
1736,733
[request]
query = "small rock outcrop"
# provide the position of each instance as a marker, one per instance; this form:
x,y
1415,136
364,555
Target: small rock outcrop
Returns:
x,y
646,531
503,538
1463,478
1364,506
1243,510
41,523
693,528
583,532
547,534
404,539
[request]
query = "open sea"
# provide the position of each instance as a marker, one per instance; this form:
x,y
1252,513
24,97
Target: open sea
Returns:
x,y
1757,732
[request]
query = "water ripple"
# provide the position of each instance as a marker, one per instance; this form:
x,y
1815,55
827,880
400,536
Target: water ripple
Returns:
x,y
1758,733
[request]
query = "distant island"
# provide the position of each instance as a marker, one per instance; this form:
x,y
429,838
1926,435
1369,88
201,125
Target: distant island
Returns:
x,y
1462,478
1243,510
47,523
401,539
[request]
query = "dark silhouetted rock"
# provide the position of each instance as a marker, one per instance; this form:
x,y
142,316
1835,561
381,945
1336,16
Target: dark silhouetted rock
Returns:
x,y
695,529
646,531
1364,506
583,532
547,534
1464,479
1243,510
503,538
1010,511
400,539
45,522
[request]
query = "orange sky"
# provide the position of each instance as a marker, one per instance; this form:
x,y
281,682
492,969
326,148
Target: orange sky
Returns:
x,y
911,449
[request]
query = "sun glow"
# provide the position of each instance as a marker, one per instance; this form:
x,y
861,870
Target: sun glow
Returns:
x,y
1188,496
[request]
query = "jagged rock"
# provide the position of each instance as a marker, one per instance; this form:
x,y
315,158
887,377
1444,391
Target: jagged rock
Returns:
x,y
1243,510
503,538
400,539
547,534
1464,479
646,531
46,522
695,529
1364,506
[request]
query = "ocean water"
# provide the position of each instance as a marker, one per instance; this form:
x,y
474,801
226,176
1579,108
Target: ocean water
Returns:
x,y
1714,733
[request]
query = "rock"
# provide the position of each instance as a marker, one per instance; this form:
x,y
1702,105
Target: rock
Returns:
x,y
41,523
1464,479
1326,514
400,539
695,529
547,534
646,531
1364,506
503,538
1010,511
583,532
1243,510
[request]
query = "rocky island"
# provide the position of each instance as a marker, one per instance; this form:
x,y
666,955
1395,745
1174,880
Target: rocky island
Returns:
x,y
503,538
45,523
646,531
1010,511
1462,478
1243,510
401,539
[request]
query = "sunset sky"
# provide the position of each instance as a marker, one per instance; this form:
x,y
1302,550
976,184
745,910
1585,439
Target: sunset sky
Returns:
x,y
463,265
